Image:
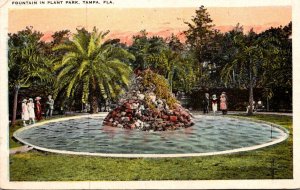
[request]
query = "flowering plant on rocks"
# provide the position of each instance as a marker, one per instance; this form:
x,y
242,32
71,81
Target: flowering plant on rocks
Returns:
x,y
149,105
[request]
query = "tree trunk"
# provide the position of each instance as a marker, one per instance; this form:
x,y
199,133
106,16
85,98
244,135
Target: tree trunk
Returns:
x,y
170,79
250,111
268,104
93,97
15,105
94,106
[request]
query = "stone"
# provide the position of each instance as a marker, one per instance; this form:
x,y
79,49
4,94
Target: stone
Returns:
x,y
165,117
128,111
128,105
134,106
152,97
134,110
141,96
173,118
125,118
133,126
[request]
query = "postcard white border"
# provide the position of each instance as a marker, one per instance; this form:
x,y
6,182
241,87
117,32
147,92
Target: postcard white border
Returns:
x,y
195,184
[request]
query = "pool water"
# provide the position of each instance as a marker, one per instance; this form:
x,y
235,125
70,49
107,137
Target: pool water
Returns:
x,y
209,134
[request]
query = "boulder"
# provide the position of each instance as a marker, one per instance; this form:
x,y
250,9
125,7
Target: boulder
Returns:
x,y
140,108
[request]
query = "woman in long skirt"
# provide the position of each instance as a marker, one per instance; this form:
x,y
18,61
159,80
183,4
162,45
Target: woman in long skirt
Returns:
x,y
223,103
31,111
38,108
214,104
25,113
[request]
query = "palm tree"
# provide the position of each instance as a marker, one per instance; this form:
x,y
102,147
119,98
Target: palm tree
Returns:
x,y
254,54
173,66
92,68
143,46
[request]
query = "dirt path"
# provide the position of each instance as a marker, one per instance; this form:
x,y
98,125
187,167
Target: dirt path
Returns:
x,y
20,149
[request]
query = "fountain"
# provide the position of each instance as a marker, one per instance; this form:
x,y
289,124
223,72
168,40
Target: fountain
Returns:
x,y
149,105
210,135
149,122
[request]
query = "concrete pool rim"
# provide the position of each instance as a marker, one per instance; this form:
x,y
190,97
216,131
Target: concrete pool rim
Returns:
x,y
284,132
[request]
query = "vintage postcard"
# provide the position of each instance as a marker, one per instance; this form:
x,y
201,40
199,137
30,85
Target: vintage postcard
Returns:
x,y
149,94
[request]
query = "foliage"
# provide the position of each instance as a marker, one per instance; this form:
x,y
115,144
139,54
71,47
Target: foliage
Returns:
x,y
256,59
280,65
208,59
226,50
166,57
201,41
27,63
161,88
91,68
144,46
200,31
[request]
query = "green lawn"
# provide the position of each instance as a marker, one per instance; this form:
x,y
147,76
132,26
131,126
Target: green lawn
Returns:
x,y
267,163
13,142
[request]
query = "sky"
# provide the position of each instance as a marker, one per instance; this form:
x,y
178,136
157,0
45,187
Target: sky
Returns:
x,y
125,22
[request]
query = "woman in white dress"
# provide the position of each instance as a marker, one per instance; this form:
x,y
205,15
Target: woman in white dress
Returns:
x,y
31,111
214,104
25,113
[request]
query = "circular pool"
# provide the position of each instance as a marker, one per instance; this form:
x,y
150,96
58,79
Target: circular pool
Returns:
x,y
210,135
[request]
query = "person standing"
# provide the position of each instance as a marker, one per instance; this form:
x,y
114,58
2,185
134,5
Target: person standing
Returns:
x,y
31,113
25,113
38,108
49,106
223,103
206,103
214,103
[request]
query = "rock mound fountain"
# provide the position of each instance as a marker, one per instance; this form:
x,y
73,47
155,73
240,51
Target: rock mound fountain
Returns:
x,y
149,105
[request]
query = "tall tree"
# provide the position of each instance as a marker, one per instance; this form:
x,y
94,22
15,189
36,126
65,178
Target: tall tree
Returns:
x,y
281,65
174,67
92,68
163,56
200,37
226,50
143,47
254,53
26,62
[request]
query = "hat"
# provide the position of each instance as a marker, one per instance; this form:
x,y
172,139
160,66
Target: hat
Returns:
x,y
214,97
30,99
38,98
223,92
24,100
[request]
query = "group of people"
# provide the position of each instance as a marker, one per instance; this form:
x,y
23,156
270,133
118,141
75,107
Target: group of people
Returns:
x,y
32,111
255,107
214,103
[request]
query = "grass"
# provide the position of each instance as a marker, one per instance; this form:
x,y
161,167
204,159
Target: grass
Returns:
x,y
274,162
12,141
